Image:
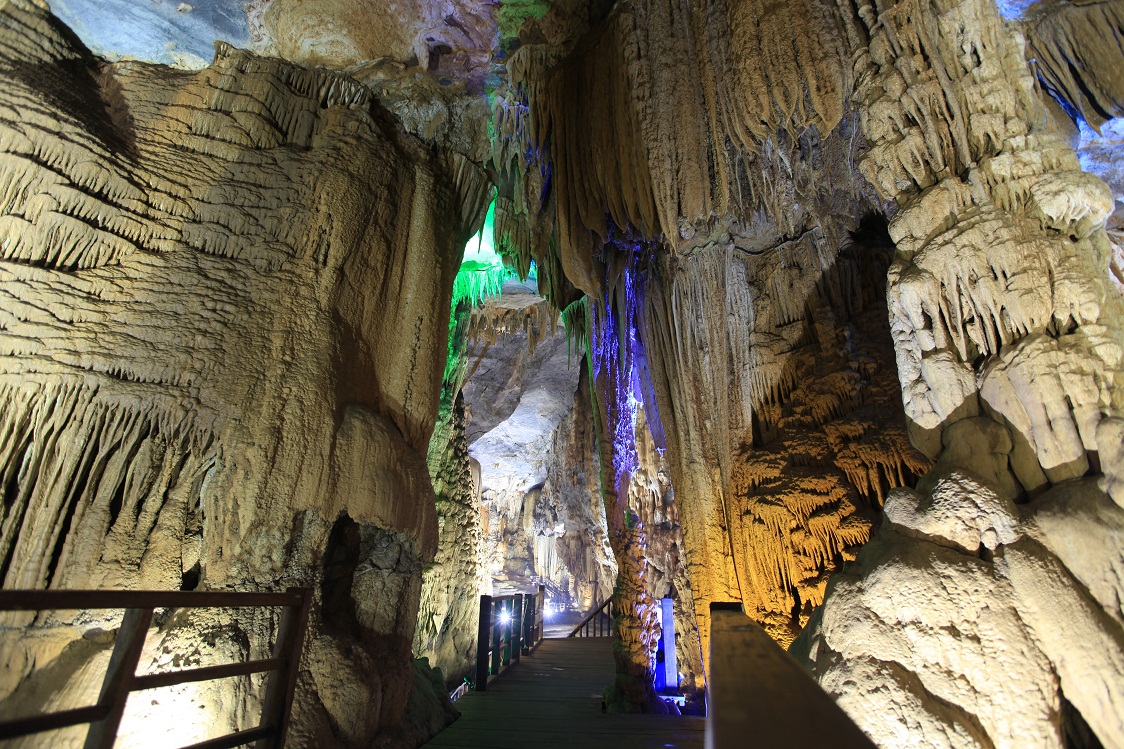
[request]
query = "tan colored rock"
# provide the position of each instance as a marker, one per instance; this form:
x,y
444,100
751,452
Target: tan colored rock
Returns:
x,y
1082,527
451,36
954,510
1075,46
911,642
981,447
1045,612
1110,442
224,306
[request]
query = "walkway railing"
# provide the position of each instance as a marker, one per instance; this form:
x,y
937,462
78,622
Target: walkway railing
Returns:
x,y
121,678
534,611
599,622
509,626
553,589
757,689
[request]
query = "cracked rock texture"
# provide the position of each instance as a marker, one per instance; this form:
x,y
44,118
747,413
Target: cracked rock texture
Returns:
x,y
200,379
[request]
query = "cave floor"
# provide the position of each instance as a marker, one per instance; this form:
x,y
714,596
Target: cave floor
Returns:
x,y
553,699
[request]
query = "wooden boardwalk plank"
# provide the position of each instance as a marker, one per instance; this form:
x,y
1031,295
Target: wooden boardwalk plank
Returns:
x,y
553,699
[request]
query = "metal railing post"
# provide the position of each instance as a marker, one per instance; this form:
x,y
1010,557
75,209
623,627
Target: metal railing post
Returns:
x,y
540,615
121,679
541,622
483,641
527,625
517,627
282,682
118,678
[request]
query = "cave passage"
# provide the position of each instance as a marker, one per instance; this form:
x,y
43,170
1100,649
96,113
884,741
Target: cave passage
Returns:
x,y
810,309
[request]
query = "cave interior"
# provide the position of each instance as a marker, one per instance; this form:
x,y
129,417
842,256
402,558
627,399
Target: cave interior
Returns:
x,y
816,307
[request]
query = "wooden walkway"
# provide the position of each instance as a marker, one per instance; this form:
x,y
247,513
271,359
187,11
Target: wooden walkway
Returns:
x,y
552,699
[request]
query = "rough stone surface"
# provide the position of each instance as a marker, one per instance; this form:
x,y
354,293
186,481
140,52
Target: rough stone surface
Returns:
x,y
220,285
529,431
200,387
449,609
980,326
912,635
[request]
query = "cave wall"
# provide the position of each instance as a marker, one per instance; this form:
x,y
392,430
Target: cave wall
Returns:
x,y
688,159
651,498
707,168
1008,334
449,607
571,498
224,307
200,268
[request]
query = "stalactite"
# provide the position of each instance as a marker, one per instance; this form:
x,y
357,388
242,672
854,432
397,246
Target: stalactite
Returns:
x,y
1074,48
497,317
133,469
198,383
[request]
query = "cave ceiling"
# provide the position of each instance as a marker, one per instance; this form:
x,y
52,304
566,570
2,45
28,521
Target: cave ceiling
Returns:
x,y
464,45
456,37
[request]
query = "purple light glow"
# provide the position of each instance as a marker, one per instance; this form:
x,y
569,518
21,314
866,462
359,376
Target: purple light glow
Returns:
x,y
614,349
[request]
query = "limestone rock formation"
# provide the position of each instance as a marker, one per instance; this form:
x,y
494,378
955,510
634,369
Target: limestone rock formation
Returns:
x,y
716,212
544,520
449,606
825,272
584,566
981,326
651,499
202,383
1014,593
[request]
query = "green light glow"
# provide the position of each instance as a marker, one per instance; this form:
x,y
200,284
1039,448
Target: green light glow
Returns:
x,y
513,13
481,248
482,271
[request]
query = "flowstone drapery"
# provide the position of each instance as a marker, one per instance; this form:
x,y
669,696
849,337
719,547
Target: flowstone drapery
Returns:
x,y
1008,339
211,375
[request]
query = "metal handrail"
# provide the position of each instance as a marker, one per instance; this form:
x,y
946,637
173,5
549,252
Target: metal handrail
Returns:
x,y
555,590
509,627
599,622
757,689
534,612
121,677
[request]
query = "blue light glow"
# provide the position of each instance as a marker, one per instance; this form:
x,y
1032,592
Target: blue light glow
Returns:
x,y
1013,9
614,348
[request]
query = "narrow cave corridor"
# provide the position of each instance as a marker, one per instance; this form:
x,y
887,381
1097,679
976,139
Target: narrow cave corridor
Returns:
x,y
384,311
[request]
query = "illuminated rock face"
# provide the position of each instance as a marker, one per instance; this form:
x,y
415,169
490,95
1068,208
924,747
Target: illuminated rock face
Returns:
x,y
960,584
450,604
730,202
754,317
835,267
530,430
211,376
